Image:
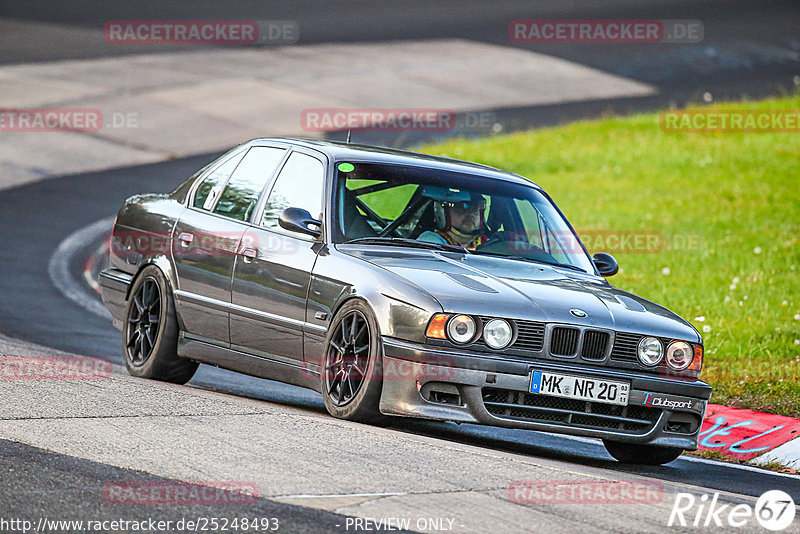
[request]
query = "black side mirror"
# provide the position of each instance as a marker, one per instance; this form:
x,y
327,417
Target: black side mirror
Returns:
x,y
606,264
298,220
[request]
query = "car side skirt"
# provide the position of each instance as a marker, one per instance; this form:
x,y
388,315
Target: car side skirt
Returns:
x,y
296,373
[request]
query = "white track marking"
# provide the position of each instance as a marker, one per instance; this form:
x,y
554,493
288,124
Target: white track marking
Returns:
x,y
58,268
788,454
87,273
337,496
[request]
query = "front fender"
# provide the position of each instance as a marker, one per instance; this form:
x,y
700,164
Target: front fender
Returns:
x,y
402,309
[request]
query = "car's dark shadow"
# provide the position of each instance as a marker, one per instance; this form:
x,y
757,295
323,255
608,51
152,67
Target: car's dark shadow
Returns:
x,y
232,383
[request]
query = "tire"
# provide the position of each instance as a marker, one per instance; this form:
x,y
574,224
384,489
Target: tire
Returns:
x,y
347,393
634,453
150,339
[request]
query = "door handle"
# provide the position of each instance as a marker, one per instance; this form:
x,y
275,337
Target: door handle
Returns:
x,y
186,239
248,255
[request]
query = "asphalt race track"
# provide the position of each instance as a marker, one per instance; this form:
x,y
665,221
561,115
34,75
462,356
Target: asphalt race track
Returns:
x,y
37,217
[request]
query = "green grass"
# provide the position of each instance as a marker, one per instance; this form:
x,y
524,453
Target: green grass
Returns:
x,y
734,197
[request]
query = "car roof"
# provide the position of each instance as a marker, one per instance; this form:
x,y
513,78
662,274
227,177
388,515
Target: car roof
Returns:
x,y
339,151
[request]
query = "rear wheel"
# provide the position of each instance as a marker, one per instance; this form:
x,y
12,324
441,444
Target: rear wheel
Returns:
x,y
634,453
150,331
352,368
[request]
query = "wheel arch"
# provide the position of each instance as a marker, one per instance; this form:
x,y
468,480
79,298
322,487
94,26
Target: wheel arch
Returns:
x,y
395,317
350,298
401,308
163,265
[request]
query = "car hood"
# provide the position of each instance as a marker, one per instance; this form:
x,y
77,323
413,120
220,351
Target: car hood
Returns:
x,y
501,287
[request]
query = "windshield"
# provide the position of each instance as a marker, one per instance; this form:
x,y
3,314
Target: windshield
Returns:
x,y
398,204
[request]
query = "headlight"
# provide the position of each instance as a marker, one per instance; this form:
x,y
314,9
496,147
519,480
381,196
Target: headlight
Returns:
x,y
679,355
497,333
461,329
650,351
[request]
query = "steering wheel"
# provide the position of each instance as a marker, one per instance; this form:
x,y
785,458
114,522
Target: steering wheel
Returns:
x,y
497,237
501,242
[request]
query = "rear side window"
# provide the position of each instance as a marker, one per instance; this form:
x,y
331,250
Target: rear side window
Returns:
x,y
299,185
248,180
208,191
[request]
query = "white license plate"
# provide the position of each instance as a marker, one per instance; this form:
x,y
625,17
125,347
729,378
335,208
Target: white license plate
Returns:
x,y
579,387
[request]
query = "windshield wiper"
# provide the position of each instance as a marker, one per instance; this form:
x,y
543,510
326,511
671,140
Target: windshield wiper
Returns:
x,y
406,242
533,260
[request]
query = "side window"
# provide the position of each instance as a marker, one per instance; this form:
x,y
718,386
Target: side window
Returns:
x,y
299,185
248,180
208,191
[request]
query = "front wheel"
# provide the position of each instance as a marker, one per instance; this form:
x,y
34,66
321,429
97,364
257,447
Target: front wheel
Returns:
x,y
352,368
150,331
634,453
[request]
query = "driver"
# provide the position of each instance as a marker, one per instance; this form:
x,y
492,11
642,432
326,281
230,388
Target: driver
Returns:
x,y
464,224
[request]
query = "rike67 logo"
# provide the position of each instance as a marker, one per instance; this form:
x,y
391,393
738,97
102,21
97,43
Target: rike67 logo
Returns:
x,y
774,510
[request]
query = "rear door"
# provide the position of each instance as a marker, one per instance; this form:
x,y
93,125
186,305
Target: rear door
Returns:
x,y
208,235
273,269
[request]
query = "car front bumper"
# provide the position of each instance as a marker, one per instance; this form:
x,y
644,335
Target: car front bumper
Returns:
x,y
445,384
